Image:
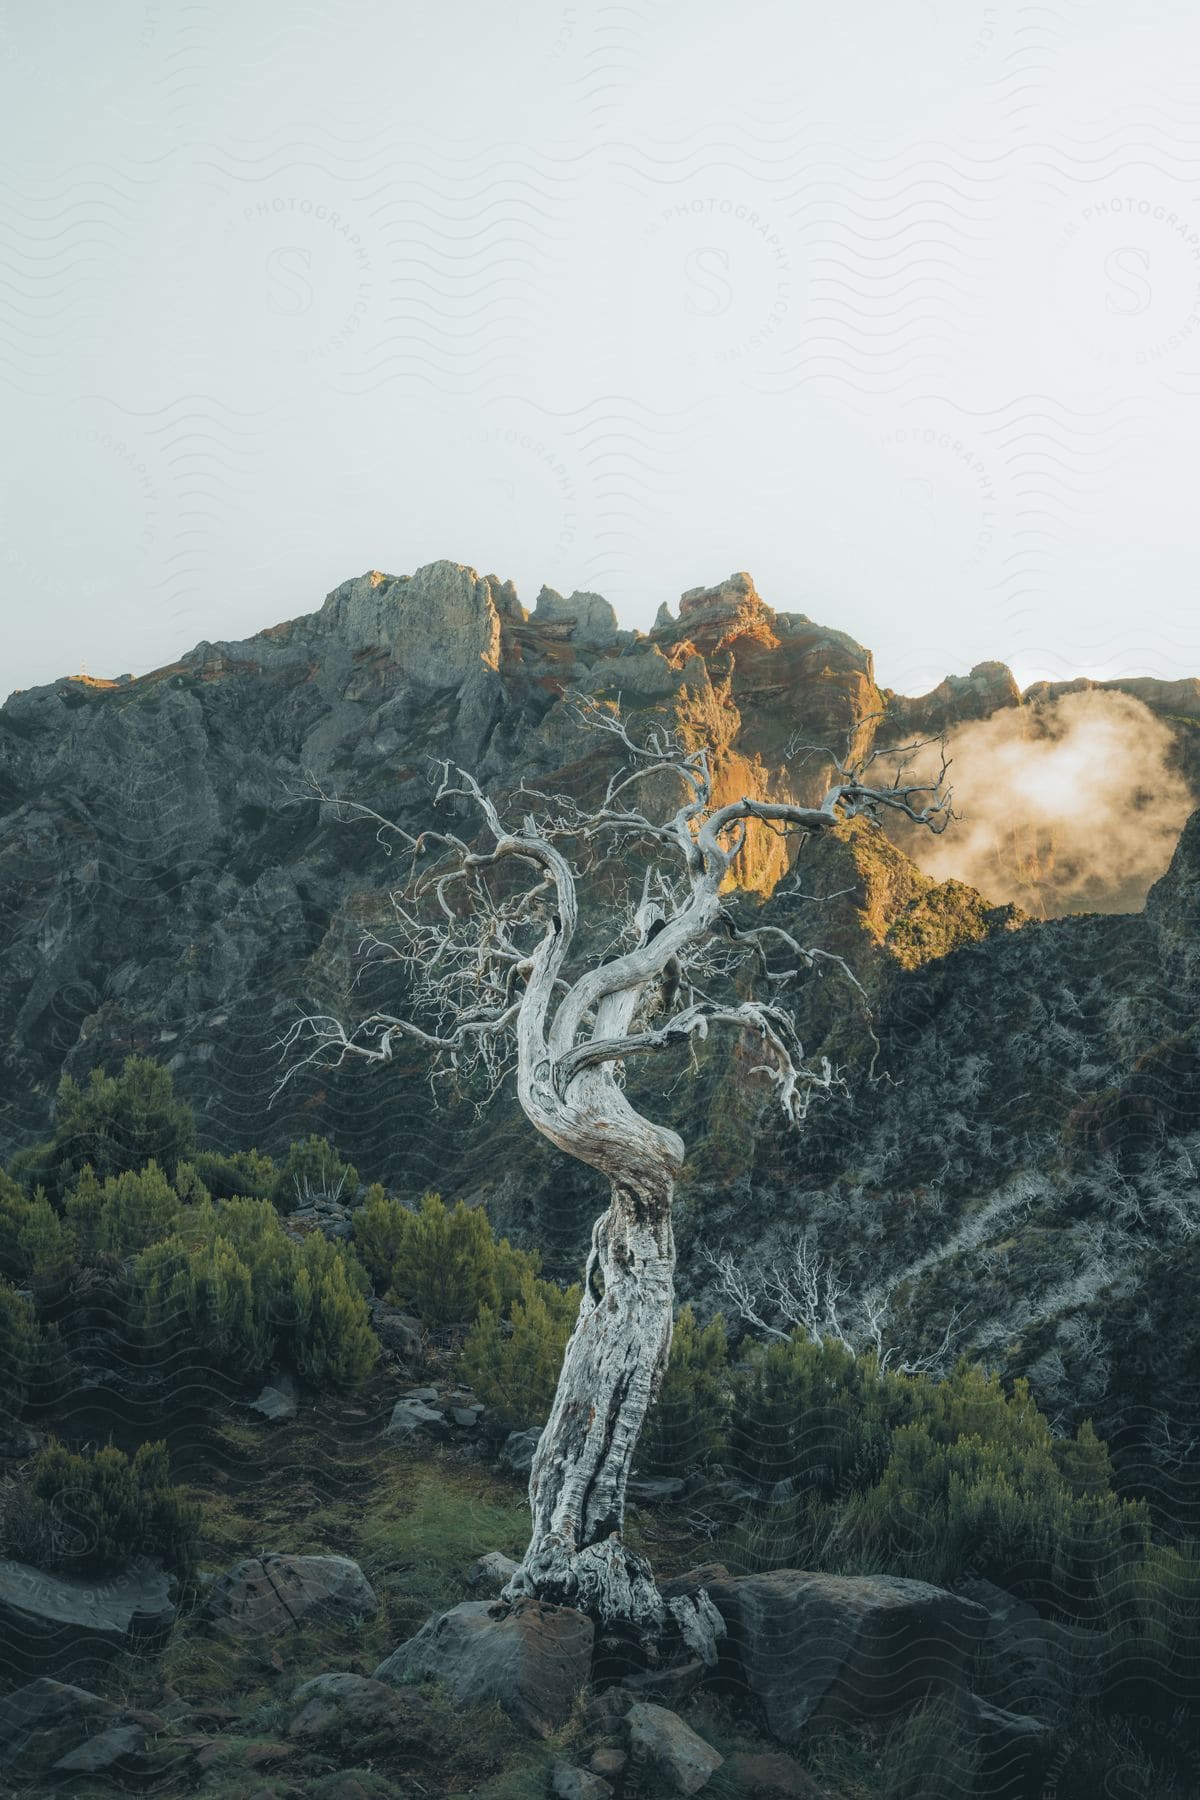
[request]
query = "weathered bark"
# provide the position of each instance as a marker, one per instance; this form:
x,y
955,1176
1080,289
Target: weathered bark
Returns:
x,y
612,1368
613,1364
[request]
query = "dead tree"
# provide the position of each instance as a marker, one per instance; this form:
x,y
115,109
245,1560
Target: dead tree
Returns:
x,y
495,975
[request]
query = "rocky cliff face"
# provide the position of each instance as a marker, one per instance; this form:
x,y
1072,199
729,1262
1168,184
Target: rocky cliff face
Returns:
x,y
169,885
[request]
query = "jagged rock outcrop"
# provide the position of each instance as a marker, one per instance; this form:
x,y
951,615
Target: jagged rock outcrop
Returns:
x,y
167,887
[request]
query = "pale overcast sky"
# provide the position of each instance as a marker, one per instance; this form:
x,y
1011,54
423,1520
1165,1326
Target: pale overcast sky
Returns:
x,y
894,303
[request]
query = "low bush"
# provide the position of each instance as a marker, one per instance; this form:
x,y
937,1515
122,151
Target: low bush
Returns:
x,y
234,1287
85,1514
240,1174
443,1261
35,1246
687,1424
124,1213
514,1366
115,1124
19,1346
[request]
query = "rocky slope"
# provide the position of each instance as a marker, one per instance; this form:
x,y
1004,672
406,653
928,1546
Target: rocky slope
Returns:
x,y
1025,1150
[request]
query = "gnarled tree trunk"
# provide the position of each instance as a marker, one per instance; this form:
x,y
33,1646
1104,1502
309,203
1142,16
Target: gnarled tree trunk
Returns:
x,y
613,1364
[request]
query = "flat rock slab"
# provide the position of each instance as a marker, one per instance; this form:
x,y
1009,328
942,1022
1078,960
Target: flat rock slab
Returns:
x,y
45,1619
53,1725
834,1648
265,1595
531,1658
660,1744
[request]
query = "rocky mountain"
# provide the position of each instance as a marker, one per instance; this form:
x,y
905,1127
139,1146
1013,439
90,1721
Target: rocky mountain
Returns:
x,y
1016,1153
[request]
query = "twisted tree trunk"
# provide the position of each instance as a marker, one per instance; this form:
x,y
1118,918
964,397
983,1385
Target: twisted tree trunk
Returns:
x,y
611,1371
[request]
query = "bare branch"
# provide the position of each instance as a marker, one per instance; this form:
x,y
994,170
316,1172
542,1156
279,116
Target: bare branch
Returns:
x,y
806,1293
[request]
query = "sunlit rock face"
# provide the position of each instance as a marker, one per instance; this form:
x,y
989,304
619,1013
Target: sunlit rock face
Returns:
x,y
169,886
439,625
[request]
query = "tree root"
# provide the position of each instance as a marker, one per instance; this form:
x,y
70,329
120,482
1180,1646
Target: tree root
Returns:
x,y
615,1586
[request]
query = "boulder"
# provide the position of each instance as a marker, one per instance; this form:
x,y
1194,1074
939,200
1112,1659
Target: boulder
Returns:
x,y
63,1621
1016,1748
531,1658
53,1725
397,1331
662,1747
518,1451
770,1775
265,1595
569,1783
413,1417
608,1760
491,1573
331,1704
278,1400
837,1648
107,1751
1033,1665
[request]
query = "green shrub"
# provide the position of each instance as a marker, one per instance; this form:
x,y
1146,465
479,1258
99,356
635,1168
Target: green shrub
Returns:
x,y
815,1415
312,1167
239,1173
515,1371
35,1246
115,1124
687,1422
928,1478
125,1213
443,1261
380,1233
19,1341
233,1286
91,1513
331,1338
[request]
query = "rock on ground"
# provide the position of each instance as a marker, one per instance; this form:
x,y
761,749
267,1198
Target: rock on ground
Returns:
x,y
335,1703
51,1726
771,1775
278,1400
569,1783
518,1450
417,1414
839,1648
660,1744
531,1658
63,1622
491,1573
1031,1664
265,1595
